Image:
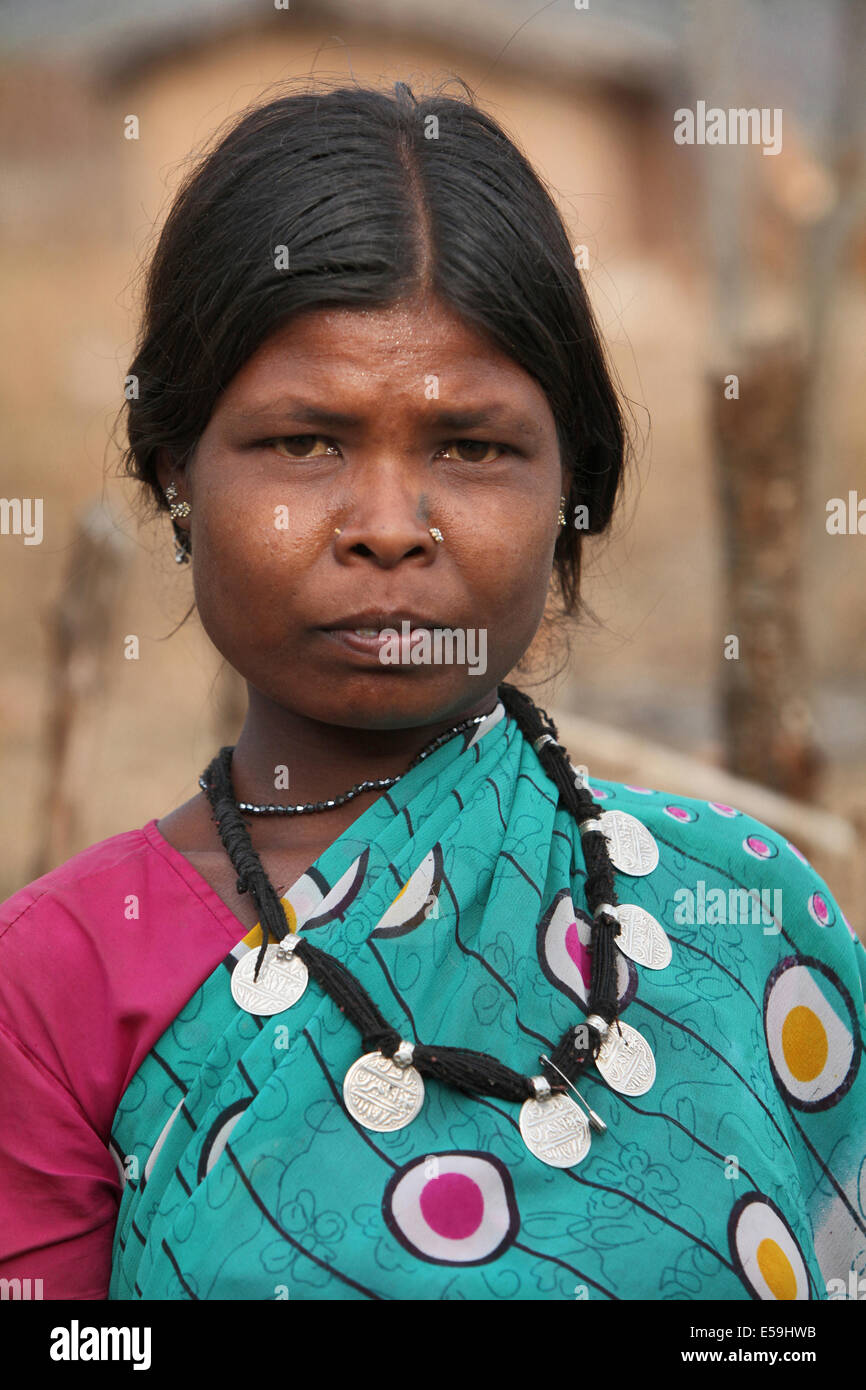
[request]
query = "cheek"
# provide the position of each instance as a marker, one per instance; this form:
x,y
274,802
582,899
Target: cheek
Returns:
x,y
513,567
243,566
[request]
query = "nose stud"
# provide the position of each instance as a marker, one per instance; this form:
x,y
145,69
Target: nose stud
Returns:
x,y
434,532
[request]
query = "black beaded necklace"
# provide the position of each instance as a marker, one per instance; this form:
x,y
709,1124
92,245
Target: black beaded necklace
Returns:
x,y
249,808
476,1073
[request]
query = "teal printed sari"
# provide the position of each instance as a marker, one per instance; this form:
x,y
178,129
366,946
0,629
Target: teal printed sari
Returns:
x,y
456,899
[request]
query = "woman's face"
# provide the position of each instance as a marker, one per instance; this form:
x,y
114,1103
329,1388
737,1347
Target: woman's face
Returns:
x,y
360,420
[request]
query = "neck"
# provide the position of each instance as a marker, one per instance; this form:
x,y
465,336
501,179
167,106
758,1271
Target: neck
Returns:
x,y
324,760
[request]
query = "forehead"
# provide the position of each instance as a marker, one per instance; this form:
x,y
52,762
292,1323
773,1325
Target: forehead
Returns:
x,y
359,352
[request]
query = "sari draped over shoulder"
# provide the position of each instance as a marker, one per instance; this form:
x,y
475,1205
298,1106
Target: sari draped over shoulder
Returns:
x,y
456,899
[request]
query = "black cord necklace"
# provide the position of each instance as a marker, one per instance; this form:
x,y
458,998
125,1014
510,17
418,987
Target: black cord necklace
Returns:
x,y
383,1090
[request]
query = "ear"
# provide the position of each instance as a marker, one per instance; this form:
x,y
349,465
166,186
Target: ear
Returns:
x,y
167,472
163,468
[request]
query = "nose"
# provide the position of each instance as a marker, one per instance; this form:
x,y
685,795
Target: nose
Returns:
x,y
387,531
387,545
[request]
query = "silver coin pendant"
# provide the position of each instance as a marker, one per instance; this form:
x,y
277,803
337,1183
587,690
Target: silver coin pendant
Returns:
x,y
380,1094
627,1063
282,980
631,847
555,1130
642,938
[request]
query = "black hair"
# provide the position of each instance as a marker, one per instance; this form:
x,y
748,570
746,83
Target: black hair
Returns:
x,y
375,195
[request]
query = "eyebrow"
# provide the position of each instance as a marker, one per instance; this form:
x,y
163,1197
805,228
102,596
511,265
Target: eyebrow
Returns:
x,y
304,412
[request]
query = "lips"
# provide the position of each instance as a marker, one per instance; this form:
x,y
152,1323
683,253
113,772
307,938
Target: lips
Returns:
x,y
367,633
364,644
374,620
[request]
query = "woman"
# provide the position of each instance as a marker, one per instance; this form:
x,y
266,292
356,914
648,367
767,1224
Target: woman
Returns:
x,y
435,1028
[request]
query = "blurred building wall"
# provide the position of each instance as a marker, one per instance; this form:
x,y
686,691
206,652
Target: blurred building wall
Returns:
x,y
81,205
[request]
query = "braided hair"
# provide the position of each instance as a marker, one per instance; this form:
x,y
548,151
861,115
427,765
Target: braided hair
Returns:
x,y
473,1072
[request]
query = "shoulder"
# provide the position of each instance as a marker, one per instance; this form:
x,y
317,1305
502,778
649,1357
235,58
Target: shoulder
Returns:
x,y
78,878
98,956
65,936
691,826
722,869
110,913
708,832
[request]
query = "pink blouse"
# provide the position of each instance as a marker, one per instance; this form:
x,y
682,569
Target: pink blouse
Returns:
x,y
96,959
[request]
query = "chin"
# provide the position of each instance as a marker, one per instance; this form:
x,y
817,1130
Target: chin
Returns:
x,y
391,704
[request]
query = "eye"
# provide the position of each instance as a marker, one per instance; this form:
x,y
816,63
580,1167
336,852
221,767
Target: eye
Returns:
x,y
299,446
476,448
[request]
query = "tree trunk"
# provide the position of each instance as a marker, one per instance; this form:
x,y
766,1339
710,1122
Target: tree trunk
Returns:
x,y
759,442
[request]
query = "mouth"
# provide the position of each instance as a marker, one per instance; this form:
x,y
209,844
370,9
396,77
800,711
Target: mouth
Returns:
x,y
366,633
368,642
371,622
382,633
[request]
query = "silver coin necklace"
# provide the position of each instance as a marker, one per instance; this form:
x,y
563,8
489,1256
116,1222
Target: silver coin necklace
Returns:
x,y
384,1092
552,1126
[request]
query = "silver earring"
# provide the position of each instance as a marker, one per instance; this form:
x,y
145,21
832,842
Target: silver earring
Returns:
x,y
182,550
176,509
182,542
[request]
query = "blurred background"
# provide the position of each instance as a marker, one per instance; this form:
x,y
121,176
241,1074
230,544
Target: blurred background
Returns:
x,y
728,653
